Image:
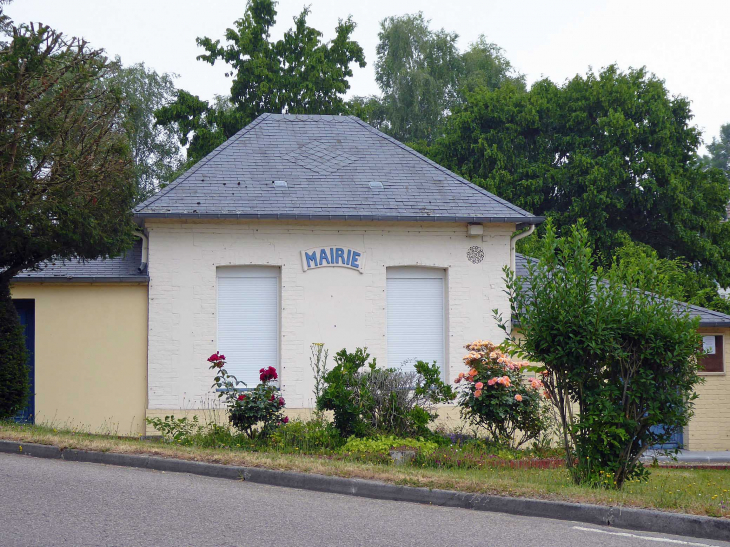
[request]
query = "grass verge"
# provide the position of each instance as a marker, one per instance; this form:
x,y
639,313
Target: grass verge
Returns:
x,y
694,491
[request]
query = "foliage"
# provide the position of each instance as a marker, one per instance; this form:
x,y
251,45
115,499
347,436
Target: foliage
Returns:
x,y
298,74
719,152
384,444
613,148
256,413
14,385
66,186
493,396
346,394
177,430
318,364
478,454
619,357
157,154
307,436
684,282
422,76
382,400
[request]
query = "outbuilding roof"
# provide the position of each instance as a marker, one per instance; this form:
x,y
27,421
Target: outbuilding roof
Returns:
x,y
708,318
309,167
120,269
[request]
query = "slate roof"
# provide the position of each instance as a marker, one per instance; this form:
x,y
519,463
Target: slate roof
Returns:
x,y
708,318
121,269
328,163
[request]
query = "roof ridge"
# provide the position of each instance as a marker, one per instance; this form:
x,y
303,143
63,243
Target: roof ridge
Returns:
x,y
441,167
204,161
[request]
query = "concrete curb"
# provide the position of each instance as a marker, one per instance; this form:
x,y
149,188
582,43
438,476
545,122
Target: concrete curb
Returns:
x,y
632,519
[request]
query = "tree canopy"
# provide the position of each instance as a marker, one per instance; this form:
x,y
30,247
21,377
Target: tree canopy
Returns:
x,y
719,151
66,171
156,152
422,76
613,148
298,74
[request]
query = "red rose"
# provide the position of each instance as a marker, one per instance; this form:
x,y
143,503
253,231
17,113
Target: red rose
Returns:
x,y
272,397
268,374
217,359
241,397
285,420
281,401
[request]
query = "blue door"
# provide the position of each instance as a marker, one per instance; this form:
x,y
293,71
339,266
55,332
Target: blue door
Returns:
x,y
26,311
675,441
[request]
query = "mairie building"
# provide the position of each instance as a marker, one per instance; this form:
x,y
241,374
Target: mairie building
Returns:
x,y
297,230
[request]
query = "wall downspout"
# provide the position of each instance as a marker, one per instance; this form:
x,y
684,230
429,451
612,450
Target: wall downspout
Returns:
x,y
145,250
513,241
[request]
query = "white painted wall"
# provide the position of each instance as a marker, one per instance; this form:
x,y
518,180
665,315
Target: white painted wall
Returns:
x,y
337,306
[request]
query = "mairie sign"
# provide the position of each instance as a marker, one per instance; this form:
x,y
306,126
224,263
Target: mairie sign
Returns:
x,y
342,257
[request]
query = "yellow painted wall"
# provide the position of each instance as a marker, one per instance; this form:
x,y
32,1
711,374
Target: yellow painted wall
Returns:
x,y
710,426
90,355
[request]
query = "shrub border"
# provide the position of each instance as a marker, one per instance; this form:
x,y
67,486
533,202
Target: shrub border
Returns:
x,y
620,517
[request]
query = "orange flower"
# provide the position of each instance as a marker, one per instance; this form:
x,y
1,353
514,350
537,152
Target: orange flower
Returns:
x,y
518,397
473,372
478,393
479,385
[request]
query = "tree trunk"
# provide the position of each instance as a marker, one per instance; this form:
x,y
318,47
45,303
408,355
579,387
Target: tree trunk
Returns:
x,y
14,385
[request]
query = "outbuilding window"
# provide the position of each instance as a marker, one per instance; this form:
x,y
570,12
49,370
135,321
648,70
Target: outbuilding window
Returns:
x,y
713,360
415,314
248,320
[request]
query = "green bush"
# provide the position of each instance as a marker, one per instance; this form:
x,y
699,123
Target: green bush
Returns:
x,y
494,396
381,400
14,386
620,358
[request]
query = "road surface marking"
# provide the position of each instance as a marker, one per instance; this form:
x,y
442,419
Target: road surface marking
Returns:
x,y
648,538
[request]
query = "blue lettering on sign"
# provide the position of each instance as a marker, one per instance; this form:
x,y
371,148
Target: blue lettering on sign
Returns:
x,y
355,257
311,258
332,256
323,257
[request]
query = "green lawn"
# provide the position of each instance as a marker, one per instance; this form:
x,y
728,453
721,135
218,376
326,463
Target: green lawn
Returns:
x,y
696,491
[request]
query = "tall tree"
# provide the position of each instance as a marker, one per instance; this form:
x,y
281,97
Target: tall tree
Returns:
x,y
66,172
613,148
156,151
423,76
719,151
298,74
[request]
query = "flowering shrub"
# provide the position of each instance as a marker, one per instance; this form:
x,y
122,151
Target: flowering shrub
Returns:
x,y
257,412
494,396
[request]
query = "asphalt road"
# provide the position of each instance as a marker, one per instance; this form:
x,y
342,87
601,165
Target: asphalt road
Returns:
x,y
52,502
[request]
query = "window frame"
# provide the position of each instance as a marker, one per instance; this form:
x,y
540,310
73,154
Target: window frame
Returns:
x,y
721,347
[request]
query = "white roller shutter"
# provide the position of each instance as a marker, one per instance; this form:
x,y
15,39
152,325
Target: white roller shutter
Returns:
x,y
415,315
248,320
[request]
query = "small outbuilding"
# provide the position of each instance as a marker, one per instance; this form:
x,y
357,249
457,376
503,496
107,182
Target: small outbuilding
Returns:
x,y
297,230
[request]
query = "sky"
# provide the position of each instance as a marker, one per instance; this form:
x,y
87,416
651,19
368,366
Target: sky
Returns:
x,y
685,43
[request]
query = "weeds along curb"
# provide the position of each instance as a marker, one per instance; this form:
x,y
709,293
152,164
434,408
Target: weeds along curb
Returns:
x,y
629,518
